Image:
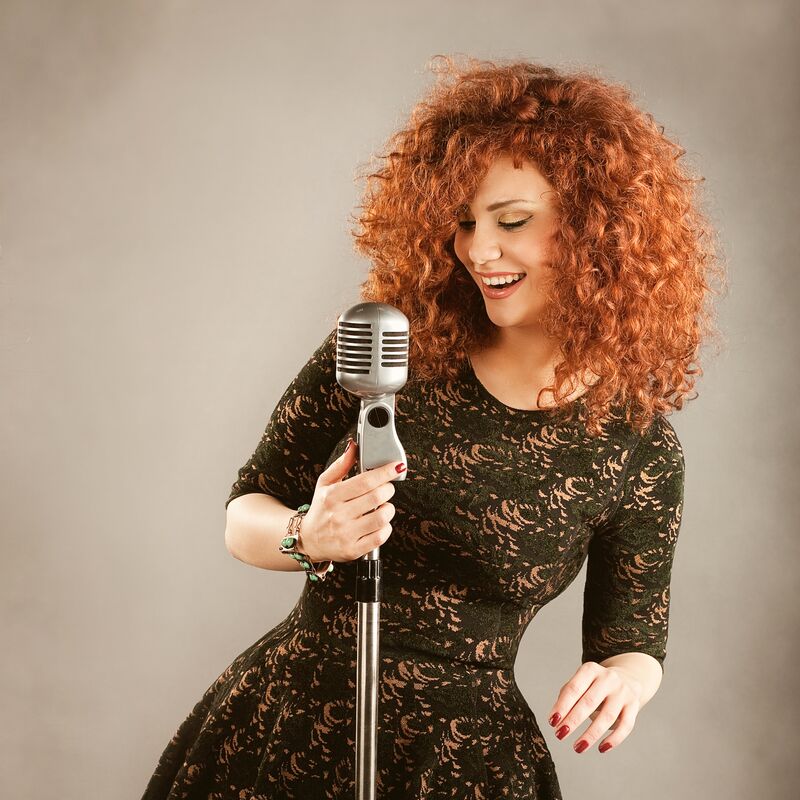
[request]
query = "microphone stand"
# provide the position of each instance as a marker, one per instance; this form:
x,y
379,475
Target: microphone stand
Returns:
x,y
368,596
372,362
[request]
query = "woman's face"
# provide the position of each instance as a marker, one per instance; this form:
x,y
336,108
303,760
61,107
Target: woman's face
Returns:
x,y
512,238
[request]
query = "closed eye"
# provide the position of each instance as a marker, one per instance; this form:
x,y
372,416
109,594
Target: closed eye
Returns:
x,y
509,225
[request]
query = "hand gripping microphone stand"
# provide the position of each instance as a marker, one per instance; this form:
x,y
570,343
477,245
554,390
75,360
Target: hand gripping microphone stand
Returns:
x,y
371,362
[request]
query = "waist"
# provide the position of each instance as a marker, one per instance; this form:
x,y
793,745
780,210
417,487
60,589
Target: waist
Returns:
x,y
476,634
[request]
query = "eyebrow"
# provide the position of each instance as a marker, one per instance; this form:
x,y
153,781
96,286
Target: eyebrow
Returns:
x,y
495,206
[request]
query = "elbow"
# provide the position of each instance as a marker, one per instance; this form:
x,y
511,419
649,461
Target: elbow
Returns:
x,y
231,542
228,541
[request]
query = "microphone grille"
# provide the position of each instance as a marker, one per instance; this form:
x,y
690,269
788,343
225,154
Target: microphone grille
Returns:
x,y
372,349
356,343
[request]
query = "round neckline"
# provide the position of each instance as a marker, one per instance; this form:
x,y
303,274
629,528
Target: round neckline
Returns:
x,y
487,395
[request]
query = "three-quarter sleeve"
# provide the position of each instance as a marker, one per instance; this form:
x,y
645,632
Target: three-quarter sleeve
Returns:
x,y
630,554
309,420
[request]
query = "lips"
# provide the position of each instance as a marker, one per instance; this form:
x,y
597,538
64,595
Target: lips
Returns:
x,y
499,292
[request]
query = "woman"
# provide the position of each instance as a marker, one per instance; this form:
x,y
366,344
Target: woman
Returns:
x,y
535,431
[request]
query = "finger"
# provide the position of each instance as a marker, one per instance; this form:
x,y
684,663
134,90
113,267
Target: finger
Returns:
x,y
373,499
340,466
606,717
369,524
571,693
607,688
371,479
374,539
623,727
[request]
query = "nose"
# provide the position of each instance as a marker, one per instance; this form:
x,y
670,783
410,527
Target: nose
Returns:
x,y
483,247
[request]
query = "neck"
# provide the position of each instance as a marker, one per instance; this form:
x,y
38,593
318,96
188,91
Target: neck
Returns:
x,y
528,352
525,362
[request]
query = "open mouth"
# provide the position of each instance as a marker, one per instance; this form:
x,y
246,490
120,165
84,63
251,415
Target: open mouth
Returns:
x,y
496,292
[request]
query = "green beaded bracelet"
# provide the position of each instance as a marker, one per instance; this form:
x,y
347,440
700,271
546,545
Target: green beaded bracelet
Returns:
x,y
289,545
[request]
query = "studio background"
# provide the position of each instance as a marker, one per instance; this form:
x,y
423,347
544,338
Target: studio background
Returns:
x,y
176,186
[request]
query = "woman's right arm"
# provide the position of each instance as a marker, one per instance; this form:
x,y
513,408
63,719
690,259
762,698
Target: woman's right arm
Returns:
x,y
255,524
284,471
347,518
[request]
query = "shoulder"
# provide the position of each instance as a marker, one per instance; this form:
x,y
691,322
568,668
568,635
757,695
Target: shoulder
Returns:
x,y
621,439
326,351
322,361
655,472
651,477
660,442
646,461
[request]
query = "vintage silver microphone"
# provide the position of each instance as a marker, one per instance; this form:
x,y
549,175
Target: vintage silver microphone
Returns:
x,y
371,362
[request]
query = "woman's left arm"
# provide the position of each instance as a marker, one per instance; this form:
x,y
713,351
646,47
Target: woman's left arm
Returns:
x,y
627,597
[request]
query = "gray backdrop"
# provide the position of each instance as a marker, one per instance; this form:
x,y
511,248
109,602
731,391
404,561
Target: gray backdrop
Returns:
x,y
175,185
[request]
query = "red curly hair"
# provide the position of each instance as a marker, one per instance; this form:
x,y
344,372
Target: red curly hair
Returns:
x,y
634,257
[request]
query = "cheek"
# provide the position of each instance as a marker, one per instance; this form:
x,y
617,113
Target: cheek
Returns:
x,y
460,248
532,252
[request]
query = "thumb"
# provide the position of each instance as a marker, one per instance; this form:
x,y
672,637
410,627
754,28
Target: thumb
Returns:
x,y
341,466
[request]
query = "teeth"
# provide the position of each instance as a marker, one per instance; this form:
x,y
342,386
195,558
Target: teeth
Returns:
x,y
501,280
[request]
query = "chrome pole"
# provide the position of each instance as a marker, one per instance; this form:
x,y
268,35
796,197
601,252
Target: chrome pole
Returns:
x,y
368,594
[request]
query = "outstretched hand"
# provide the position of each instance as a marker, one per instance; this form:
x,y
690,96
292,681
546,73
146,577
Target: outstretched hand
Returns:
x,y
610,696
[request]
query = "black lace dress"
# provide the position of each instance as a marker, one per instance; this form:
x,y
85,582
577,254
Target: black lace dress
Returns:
x,y
499,511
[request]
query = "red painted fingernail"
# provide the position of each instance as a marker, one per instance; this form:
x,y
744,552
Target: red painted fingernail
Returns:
x,y
400,468
605,746
555,718
562,731
581,746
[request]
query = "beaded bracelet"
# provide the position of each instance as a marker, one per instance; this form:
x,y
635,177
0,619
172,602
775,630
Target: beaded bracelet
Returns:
x,y
290,545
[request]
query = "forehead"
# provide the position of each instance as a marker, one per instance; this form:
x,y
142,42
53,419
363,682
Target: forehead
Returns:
x,y
503,181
